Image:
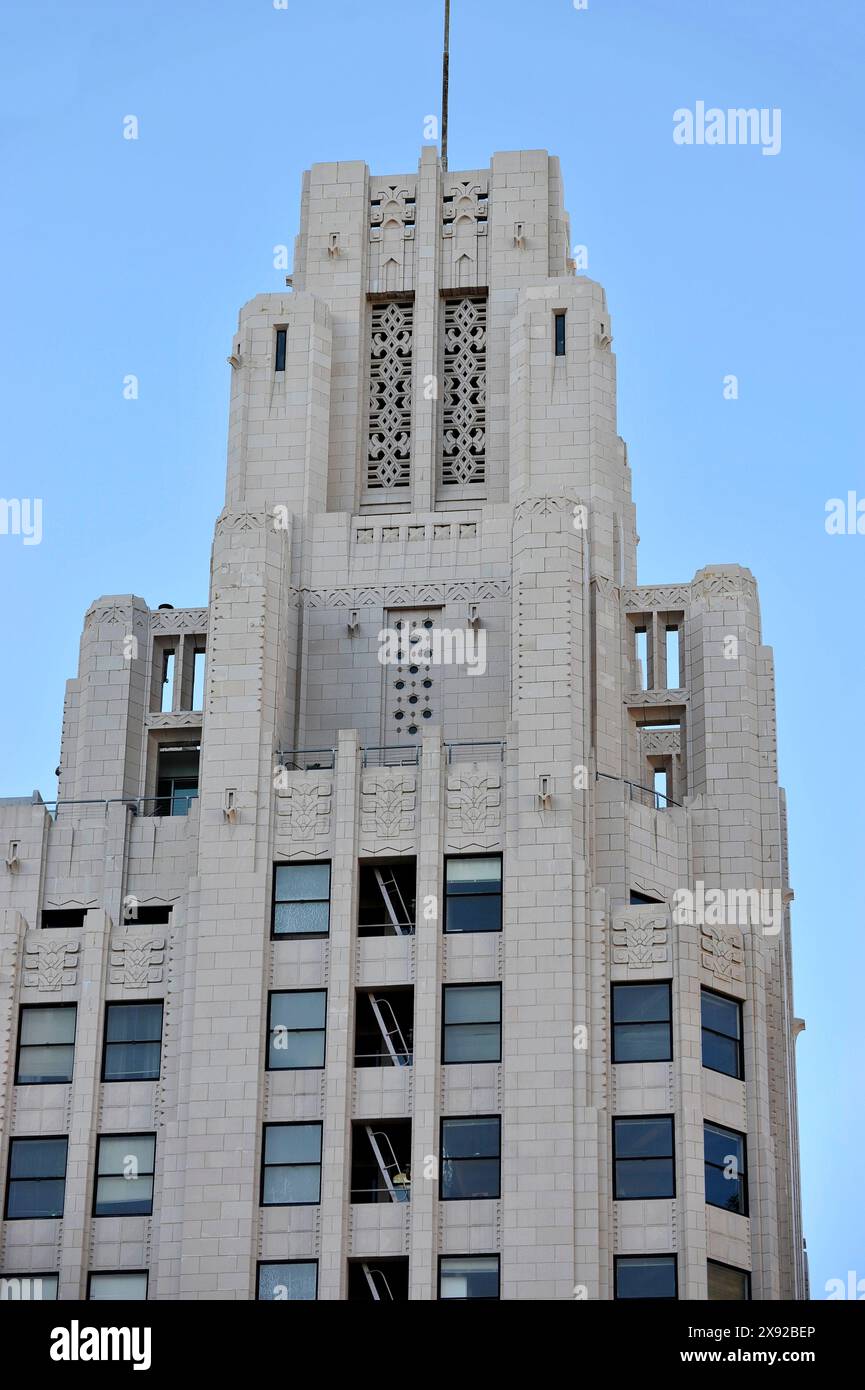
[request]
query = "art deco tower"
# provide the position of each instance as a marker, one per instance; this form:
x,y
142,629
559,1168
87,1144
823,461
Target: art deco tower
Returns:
x,y
334,978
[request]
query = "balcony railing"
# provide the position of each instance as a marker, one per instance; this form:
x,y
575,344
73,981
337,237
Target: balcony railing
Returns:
x,y
646,796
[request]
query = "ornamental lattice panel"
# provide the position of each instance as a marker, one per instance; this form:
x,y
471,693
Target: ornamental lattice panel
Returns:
x,y
389,451
465,390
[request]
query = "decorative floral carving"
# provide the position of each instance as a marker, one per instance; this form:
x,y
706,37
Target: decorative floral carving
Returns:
x,y
641,937
723,952
650,598
137,961
50,964
474,801
388,802
306,803
405,595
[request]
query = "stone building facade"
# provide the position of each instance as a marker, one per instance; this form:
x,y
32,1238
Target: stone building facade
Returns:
x,y
352,971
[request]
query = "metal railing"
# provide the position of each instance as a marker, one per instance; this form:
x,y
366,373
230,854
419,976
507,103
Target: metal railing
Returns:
x,y
162,805
395,755
306,759
657,800
493,749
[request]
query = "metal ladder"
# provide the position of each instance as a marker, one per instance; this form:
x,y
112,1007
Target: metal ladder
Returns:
x,y
400,1055
396,1181
387,883
373,1288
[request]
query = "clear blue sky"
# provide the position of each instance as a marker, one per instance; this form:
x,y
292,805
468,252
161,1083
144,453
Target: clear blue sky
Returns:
x,y
126,257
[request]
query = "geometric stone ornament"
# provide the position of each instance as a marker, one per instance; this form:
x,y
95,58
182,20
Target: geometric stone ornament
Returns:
x,y
136,961
388,802
641,936
474,801
723,952
304,806
50,965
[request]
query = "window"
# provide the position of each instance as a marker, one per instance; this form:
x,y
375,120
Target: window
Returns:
x,y
378,1280
129,1286
672,654
471,1158
292,1281
166,698
642,899
291,1172
641,1023
37,1178
472,1029
473,894
384,1027
133,1042
726,1171
643,1158
148,916
301,899
29,1288
176,778
63,918
381,1162
124,1175
281,336
46,1044
560,333
469,1276
386,894
296,1024
722,1034
646,1276
728,1284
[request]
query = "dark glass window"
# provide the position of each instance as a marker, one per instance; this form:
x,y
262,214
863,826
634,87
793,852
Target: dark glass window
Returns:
x,y
281,335
176,779
301,900
292,1281
722,1033
726,1170
471,1158
473,894
46,1044
646,1276
133,1042
296,1028
124,1175
472,1029
643,1157
641,1023
291,1174
469,1276
37,1178
560,334
63,918
728,1284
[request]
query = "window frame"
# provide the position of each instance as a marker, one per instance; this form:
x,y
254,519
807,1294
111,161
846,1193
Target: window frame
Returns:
x,y
671,1157
470,984
106,1043
639,984
560,340
109,1273
501,894
103,1215
489,1197
289,1124
262,1264
268,1032
280,346
739,1041
17,1080
648,1255
32,1276
485,1298
746,1274
35,1139
275,902
742,1179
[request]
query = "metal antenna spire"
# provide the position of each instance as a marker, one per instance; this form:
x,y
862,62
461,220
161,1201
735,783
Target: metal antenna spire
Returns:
x,y
445,79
